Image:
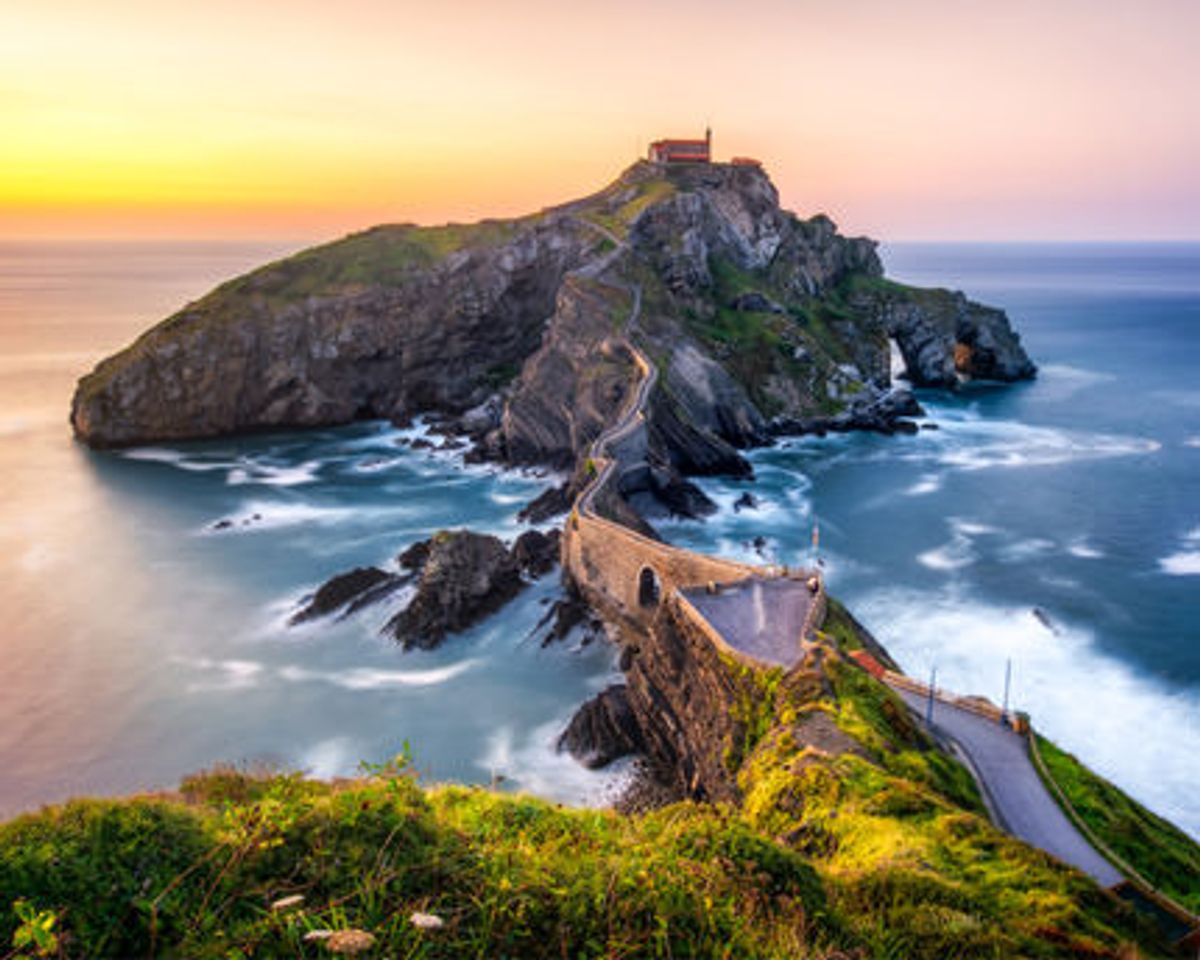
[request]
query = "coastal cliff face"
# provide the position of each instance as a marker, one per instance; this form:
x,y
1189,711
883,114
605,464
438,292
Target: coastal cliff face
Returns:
x,y
391,322
511,331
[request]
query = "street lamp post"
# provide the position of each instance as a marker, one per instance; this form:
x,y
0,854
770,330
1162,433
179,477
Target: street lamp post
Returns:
x,y
929,706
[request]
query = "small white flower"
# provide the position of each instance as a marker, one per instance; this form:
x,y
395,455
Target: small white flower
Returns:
x,y
427,921
314,935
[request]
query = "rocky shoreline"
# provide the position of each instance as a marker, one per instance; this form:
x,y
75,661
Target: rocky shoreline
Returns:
x,y
520,341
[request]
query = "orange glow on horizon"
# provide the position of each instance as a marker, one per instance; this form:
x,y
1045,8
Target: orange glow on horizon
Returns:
x,y
923,120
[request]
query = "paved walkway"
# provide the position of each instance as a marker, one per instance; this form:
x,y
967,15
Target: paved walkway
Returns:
x,y
1017,795
763,618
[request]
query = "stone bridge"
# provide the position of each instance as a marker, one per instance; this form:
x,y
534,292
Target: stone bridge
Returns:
x,y
629,577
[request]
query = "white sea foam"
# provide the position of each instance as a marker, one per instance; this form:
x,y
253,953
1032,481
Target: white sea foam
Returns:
x,y
534,764
926,484
369,678
971,528
332,757
376,464
174,458
1059,381
1192,441
950,556
1184,562
1091,703
1084,550
258,515
272,475
227,674
981,445
1023,550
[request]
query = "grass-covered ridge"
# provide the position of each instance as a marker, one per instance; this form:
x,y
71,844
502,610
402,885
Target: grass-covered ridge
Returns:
x,y
855,837
1164,855
507,876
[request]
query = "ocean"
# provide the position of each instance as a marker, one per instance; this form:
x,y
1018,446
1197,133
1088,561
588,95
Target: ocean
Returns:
x,y
1053,525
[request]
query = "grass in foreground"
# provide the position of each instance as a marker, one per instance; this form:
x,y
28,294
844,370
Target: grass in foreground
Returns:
x,y
507,876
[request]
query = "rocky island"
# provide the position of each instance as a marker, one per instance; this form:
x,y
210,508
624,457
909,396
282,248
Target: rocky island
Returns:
x,y
794,805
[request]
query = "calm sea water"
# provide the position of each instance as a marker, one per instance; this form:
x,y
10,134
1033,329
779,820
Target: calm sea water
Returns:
x,y
142,644
1077,496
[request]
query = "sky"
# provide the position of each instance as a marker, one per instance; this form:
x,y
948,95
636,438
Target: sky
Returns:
x,y
915,120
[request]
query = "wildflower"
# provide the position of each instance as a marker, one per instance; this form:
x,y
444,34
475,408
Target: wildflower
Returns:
x,y
427,921
286,903
314,935
349,941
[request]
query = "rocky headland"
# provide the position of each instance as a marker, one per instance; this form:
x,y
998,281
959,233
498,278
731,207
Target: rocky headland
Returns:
x,y
638,336
761,322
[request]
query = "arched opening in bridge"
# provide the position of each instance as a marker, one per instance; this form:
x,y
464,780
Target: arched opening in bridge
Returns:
x,y
649,588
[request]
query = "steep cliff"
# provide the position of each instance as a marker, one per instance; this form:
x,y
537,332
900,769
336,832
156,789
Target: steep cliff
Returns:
x,y
758,319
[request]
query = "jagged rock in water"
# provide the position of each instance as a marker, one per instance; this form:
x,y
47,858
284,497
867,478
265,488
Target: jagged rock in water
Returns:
x,y
551,503
537,553
465,577
746,501
604,729
662,490
357,585
944,337
414,556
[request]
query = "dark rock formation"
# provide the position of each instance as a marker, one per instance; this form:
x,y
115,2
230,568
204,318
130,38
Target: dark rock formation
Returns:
x,y
944,337
658,491
537,553
747,501
567,613
465,577
414,557
552,503
878,412
385,323
603,730
578,381
361,583
516,333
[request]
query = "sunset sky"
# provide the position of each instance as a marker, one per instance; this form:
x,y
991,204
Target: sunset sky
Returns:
x,y
1023,119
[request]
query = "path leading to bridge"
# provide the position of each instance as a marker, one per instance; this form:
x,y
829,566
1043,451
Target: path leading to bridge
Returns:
x,y
1020,800
765,615
759,612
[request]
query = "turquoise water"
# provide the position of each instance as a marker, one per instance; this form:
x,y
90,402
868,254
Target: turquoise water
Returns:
x,y
141,643
1077,496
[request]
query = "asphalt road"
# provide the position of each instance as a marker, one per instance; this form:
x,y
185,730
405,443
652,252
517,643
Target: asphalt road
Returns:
x,y
1022,803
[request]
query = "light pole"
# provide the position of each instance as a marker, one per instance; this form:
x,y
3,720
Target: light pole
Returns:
x,y
932,687
1007,682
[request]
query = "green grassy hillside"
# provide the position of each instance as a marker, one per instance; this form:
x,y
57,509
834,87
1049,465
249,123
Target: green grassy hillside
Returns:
x,y
855,838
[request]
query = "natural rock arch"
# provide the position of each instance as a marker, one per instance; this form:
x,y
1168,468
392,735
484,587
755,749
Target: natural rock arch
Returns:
x,y
649,588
